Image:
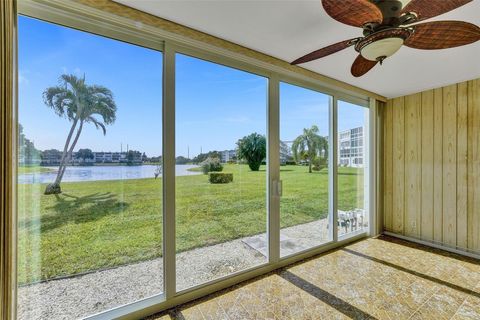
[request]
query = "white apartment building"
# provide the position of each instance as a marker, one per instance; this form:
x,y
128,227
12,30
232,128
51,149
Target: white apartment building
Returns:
x,y
351,148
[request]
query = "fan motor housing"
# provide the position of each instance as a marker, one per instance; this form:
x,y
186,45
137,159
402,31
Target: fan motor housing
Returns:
x,y
382,44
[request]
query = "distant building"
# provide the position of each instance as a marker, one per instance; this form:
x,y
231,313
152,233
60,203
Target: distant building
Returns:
x,y
117,157
228,155
351,147
51,157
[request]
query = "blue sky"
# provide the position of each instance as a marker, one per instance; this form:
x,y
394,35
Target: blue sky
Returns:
x,y
215,105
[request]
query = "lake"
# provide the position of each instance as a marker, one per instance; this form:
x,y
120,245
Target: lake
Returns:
x,y
95,173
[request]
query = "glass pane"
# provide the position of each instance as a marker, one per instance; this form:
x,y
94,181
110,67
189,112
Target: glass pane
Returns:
x,y
304,129
221,172
98,243
352,168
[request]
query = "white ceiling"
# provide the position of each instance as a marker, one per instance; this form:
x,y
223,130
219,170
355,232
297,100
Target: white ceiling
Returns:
x,y
290,29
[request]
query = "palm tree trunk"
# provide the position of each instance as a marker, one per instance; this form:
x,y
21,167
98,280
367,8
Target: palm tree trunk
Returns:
x,y
70,151
54,188
310,165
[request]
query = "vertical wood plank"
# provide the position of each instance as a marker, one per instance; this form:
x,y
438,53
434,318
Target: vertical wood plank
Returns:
x,y
438,165
442,195
473,210
462,190
387,164
426,226
450,165
413,175
398,172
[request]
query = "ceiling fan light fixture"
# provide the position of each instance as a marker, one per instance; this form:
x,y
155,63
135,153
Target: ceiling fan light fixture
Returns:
x,y
387,25
383,48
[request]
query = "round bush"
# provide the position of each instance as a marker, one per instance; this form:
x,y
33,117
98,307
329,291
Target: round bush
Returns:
x,y
220,177
211,165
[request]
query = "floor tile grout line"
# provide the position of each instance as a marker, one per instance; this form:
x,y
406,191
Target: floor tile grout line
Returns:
x,y
423,304
201,313
263,304
223,309
240,303
243,307
429,298
458,309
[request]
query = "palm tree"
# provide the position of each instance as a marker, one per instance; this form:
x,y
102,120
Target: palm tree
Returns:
x,y
253,149
80,104
309,145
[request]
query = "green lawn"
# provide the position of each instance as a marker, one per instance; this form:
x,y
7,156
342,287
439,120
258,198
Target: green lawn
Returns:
x,y
101,224
33,169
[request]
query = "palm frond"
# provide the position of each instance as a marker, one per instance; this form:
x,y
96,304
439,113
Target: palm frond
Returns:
x,y
74,99
98,124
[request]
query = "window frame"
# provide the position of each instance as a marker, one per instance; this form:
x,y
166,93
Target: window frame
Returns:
x,y
80,17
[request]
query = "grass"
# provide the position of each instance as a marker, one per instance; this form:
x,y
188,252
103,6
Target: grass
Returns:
x,y
101,224
34,169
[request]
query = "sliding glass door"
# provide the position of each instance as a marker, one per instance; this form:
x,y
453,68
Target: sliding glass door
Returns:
x,y
89,172
304,172
96,150
221,208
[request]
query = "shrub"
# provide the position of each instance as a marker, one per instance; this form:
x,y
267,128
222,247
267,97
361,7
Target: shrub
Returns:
x,y
220,177
319,163
211,164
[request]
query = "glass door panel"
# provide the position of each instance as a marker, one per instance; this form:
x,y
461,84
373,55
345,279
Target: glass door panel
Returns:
x,y
304,141
220,171
352,168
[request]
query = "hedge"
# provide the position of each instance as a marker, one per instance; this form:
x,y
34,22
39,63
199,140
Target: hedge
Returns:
x,y
220,177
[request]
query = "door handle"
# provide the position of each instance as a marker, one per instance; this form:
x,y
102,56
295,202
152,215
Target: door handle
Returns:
x,y
277,188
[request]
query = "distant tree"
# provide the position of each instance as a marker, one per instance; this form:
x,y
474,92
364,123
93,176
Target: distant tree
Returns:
x,y
181,160
85,154
134,157
253,149
144,157
80,103
27,152
203,156
156,159
309,145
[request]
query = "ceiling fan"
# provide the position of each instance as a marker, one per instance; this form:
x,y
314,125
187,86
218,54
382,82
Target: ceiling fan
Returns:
x,y
387,25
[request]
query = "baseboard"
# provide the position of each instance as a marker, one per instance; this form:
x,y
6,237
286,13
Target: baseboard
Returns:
x,y
467,253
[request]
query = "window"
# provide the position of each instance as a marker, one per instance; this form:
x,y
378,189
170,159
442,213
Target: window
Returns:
x,y
78,249
353,169
304,147
221,208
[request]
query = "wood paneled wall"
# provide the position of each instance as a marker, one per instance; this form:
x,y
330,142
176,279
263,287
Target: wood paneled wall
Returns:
x,y
431,165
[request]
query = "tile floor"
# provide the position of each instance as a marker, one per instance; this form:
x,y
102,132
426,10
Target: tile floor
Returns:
x,y
383,278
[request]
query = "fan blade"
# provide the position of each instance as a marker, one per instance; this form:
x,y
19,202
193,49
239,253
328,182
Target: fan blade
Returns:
x,y
442,35
353,12
361,66
425,9
320,53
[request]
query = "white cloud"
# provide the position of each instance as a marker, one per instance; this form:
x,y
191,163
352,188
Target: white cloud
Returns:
x,y
22,79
